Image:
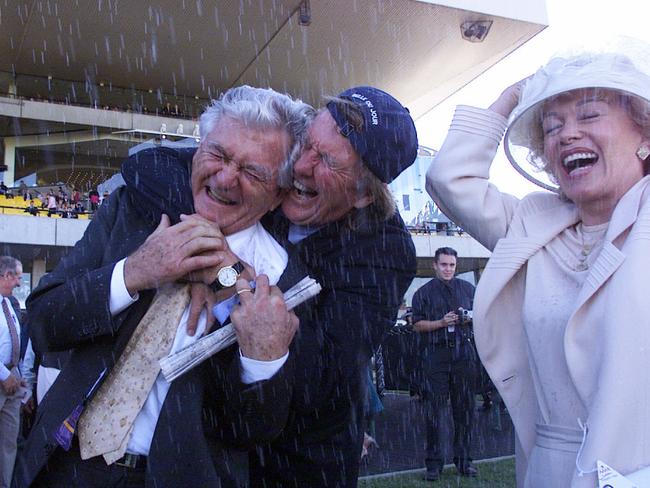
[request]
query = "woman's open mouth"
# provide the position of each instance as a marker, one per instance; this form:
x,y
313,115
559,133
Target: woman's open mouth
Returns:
x,y
579,160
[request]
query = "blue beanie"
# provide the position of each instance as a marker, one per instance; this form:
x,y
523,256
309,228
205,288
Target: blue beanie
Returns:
x,y
387,142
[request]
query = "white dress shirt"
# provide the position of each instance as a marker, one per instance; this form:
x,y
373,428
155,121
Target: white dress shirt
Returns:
x,y
5,340
254,246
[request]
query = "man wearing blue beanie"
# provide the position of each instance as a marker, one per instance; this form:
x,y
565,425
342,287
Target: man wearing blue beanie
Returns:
x,y
339,222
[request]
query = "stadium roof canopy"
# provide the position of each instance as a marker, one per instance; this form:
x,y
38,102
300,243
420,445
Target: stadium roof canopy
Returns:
x,y
414,49
143,55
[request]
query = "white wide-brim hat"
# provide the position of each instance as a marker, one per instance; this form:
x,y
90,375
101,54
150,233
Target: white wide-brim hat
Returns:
x,y
607,70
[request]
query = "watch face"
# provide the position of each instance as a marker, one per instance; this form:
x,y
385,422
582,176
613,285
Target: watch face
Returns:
x,y
227,276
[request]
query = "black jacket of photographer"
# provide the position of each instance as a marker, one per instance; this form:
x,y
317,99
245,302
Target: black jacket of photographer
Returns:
x,y
432,302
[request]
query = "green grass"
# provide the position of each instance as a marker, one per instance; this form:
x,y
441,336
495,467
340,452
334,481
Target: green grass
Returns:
x,y
499,474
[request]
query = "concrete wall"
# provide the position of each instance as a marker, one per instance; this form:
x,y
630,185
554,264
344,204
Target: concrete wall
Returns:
x,y
43,231
92,117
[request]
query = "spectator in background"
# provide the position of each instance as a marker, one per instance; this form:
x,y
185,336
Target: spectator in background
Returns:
x,y
3,188
11,271
32,209
76,197
448,365
66,212
78,209
93,196
23,190
51,204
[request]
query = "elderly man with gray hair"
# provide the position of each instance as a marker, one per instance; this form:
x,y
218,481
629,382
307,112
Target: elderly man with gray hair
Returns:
x,y
120,300
10,379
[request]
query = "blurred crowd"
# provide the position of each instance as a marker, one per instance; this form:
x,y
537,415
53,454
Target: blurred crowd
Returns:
x,y
53,201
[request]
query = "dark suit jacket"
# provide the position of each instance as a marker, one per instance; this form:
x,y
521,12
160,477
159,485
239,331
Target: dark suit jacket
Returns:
x,y
207,412
364,275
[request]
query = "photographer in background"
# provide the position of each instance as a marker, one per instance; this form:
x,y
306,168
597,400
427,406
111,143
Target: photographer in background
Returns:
x,y
448,364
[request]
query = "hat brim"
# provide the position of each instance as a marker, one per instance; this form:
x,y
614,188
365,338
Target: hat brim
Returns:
x,y
524,128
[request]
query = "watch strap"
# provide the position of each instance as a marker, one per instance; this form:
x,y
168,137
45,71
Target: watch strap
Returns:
x,y
239,267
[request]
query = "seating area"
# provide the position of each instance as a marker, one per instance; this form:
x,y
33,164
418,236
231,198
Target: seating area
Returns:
x,y
18,206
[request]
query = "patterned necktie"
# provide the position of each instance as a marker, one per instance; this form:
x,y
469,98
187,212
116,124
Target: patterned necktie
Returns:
x,y
15,342
106,424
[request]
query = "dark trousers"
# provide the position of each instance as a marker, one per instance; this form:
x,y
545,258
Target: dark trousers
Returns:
x,y
302,463
67,470
453,374
323,455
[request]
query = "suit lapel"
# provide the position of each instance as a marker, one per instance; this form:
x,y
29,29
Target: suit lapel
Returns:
x,y
295,270
608,261
511,253
626,214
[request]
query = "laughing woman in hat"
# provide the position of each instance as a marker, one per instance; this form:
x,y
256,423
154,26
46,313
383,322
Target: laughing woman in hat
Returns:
x,y
562,315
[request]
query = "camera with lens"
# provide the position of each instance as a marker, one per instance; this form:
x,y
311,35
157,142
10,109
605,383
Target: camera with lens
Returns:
x,y
465,317
403,325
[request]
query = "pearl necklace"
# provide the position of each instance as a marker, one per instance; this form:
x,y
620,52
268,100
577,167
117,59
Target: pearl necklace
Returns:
x,y
583,265
596,234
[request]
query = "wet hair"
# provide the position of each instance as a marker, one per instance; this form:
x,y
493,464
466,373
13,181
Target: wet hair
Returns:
x,y
8,264
285,174
262,109
448,251
383,204
636,108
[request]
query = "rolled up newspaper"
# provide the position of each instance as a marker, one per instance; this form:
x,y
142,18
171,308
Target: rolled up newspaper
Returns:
x,y
187,358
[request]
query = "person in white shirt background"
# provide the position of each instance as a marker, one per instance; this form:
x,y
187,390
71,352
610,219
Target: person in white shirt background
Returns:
x,y
10,379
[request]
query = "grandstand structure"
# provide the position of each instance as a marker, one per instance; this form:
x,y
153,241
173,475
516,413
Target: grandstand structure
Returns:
x,y
80,87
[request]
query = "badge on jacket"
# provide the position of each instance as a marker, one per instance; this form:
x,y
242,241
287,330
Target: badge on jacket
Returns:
x,y
610,478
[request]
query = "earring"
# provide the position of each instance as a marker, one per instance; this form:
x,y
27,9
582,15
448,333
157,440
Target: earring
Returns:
x,y
643,152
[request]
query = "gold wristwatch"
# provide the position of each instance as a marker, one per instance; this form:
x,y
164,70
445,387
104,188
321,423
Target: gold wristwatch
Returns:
x,y
227,277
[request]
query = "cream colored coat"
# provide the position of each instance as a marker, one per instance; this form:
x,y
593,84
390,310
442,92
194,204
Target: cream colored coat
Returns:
x,y
607,338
